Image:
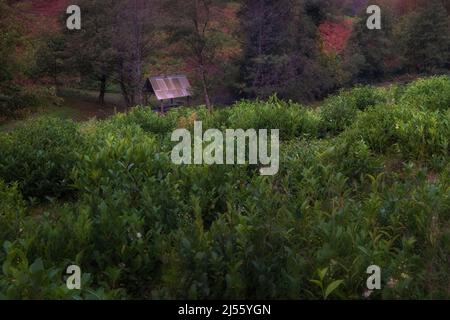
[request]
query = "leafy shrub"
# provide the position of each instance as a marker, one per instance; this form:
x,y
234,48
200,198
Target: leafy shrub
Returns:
x,y
292,120
217,120
148,120
12,212
22,237
22,280
121,178
425,135
431,93
377,127
135,197
40,156
142,227
353,157
339,112
230,260
416,134
15,99
394,93
365,97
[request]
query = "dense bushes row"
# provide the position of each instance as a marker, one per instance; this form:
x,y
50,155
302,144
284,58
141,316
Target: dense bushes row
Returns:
x,y
15,100
414,133
142,227
40,156
430,93
339,111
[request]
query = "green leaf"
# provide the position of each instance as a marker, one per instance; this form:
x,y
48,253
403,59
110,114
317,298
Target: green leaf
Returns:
x,y
322,273
316,282
7,245
332,286
37,266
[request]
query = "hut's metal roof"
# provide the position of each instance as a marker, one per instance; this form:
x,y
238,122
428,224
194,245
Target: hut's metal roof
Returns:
x,y
170,87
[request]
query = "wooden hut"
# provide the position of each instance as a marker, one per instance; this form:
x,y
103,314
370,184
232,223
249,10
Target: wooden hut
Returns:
x,y
168,89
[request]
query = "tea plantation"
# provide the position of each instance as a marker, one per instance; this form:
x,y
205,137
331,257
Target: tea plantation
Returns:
x,y
364,180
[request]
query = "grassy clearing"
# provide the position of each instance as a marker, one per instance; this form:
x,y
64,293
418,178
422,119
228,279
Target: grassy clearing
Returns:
x,y
60,112
77,105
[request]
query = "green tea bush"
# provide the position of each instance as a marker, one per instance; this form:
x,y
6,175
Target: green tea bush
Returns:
x,y
353,157
216,120
24,280
20,235
430,93
394,93
307,174
389,228
377,127
135,196
339,112
365,97
15,99
123,166
141,227
230,260
425,135
291,119
413,133
12,212
148,120
40,156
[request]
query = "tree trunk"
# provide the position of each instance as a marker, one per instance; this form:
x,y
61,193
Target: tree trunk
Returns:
x,y
101,96
55,79
137,48
205,90
125,94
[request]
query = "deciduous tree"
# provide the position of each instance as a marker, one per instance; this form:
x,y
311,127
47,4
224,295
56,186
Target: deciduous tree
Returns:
x,y
91,48
191,24
424,38
369,51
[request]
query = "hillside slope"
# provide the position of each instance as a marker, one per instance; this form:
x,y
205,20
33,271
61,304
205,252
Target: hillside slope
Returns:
x,y
363,180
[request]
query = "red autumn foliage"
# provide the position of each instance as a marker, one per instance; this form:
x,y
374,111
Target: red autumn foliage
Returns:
x,y
47,8
46,14
335,35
